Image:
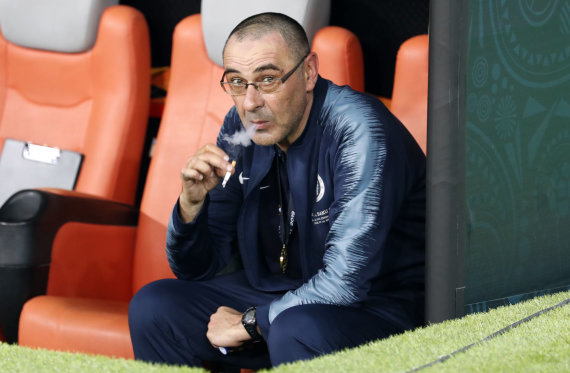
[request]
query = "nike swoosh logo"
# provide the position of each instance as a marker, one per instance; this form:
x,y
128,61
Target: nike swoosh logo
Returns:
x,y
241,178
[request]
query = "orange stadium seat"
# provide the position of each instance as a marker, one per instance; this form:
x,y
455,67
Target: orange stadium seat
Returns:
x,y
75,76
86,305
92,101
410,94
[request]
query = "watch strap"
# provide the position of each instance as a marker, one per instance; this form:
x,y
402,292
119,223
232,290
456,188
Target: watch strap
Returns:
x,y
250,324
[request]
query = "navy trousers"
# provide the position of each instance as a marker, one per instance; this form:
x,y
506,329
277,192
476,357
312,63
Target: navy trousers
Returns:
x,y
168,323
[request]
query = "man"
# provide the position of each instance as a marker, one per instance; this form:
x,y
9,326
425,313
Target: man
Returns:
x,y
326,212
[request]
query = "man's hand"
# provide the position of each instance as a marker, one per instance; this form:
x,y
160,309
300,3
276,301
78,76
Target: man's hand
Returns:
x,y
225,328
201,174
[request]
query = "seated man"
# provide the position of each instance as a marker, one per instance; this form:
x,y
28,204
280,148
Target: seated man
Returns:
x,y
325,211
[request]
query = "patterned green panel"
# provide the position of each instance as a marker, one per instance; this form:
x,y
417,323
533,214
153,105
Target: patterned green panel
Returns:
x,y
518,149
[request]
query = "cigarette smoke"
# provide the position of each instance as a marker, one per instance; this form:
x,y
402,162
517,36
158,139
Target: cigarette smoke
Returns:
x,y
241,137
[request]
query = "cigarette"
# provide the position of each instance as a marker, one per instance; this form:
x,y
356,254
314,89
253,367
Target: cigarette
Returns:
x,y
228,174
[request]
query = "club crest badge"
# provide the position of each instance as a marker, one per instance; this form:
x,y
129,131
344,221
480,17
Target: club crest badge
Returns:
x,y
320,188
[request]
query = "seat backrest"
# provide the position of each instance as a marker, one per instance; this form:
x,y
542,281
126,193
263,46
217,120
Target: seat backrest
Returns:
x,y
410,93
76,75
311,14
194,111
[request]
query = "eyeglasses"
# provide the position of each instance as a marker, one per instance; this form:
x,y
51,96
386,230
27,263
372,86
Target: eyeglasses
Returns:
x,y
269,84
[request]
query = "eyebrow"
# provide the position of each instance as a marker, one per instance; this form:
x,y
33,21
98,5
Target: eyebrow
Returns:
x,y
259,69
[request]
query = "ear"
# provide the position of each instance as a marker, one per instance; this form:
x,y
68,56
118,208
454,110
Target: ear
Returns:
x,y
311,71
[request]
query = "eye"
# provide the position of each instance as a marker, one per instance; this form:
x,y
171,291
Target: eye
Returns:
x,y
268,80
236,80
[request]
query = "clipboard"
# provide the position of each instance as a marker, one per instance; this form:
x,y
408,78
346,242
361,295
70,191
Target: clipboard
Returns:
x,y
24,165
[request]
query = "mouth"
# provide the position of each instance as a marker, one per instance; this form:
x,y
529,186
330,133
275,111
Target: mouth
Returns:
x,y
258,125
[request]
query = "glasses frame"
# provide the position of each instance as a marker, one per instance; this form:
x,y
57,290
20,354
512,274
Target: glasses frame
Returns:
x,y
256,85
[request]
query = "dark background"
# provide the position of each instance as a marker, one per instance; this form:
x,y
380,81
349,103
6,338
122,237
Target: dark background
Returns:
x,y
381,25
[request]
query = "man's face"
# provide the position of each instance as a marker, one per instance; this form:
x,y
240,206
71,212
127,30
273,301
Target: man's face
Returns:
x,y
272,118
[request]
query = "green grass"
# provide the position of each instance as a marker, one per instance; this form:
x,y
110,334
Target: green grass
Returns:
x,y
540,345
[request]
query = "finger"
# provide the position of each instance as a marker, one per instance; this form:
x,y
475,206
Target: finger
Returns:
x,y
201,167
220,165
189,174
211,148
209,164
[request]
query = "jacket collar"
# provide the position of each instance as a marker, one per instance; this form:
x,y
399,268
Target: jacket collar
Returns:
x,y
262,156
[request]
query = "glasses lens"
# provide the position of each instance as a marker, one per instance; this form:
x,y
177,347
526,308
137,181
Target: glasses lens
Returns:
x,y
237,89
270,86
233,88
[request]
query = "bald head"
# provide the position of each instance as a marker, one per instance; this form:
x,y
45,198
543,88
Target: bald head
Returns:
x,y
262,24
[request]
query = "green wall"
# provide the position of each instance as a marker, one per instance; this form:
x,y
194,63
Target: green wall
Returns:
x,y
517,162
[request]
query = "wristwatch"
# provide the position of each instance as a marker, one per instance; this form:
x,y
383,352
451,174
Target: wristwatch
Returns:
x,y
249,322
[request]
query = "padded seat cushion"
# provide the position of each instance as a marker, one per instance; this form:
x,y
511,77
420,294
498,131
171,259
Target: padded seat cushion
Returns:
x,y
311,14
45,25
77,325
410,93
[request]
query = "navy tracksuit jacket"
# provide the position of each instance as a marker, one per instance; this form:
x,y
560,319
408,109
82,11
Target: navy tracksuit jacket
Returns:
x,y
357,179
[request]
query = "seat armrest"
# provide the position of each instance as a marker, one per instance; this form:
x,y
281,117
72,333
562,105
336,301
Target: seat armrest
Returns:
x,y
29,222
31,218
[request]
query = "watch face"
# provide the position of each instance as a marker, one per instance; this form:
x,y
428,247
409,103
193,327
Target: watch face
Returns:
x,y
249,317
249,322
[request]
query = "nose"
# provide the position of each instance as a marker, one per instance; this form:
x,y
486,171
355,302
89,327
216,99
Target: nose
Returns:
x,y
253,99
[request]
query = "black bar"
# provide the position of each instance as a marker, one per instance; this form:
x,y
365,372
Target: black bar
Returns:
x,y
445,228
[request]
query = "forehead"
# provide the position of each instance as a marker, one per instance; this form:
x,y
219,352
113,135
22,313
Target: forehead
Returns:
x,y
242,54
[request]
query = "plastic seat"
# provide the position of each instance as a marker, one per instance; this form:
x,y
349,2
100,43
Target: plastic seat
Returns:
x,y
86,308
74,75
91,99
410,93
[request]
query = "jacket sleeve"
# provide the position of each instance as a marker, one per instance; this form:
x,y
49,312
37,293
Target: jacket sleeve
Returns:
x,y
372,176
199,249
